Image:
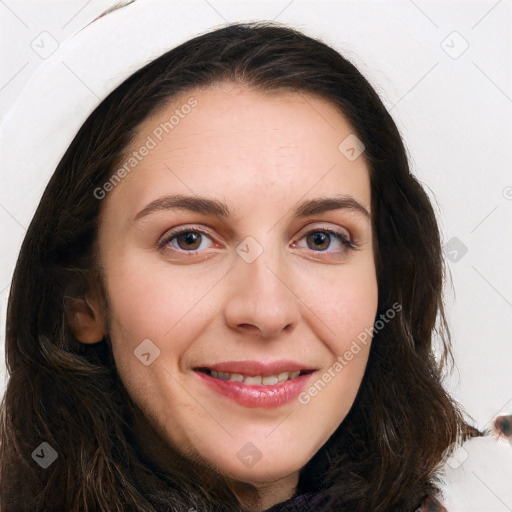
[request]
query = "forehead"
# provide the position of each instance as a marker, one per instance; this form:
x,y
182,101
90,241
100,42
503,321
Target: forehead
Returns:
x,y
242,144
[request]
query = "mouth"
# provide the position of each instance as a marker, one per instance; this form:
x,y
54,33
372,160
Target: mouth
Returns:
x,y
254,383
254,380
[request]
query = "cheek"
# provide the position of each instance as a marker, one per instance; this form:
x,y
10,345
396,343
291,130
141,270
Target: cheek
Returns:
x,y
346,305
147,299
149,302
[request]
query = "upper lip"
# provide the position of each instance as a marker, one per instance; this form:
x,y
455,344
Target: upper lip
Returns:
x,y
262,368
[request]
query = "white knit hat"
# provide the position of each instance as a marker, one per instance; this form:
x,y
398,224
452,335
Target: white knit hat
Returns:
x,y
86,67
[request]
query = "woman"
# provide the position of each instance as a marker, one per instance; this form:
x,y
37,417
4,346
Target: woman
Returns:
x,y
227,296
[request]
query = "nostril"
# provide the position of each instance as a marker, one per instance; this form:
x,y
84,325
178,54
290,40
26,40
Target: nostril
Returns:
x,y
248,327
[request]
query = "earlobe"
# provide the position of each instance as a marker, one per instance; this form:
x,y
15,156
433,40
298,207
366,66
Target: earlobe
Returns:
x,y
83,320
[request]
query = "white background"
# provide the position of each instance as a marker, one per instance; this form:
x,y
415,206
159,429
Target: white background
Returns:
x,y
453,108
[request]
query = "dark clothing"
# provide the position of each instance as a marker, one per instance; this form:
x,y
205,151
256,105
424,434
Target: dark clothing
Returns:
x,y
307,502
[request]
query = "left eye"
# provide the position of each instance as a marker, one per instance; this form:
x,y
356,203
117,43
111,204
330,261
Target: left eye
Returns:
x,y
322,238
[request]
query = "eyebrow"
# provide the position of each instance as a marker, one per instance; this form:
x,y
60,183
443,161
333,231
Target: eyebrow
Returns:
x,y
220,209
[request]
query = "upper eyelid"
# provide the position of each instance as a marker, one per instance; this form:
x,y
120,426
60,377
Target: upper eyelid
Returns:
x,y
171,233
314,227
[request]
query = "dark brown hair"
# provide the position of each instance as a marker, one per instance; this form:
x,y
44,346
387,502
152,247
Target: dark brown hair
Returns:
x,y
384,455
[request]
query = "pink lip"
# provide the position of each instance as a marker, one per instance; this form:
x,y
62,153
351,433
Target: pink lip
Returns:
x,y
249,395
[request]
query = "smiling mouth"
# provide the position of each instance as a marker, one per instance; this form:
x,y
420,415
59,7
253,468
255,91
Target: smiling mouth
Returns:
x,y
255,380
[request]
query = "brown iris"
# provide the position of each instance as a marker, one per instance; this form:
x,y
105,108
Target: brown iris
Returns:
x,y
320,237
190,239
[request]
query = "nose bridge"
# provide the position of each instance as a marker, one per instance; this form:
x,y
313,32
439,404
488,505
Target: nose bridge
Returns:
x,y
260,295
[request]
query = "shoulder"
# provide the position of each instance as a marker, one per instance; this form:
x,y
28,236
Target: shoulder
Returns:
x,y
477,475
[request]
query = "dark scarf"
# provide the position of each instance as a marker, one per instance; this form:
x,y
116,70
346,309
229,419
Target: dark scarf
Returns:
x,y
311,501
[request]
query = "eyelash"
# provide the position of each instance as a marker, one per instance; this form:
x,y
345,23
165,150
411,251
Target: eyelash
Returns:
x,y
346,243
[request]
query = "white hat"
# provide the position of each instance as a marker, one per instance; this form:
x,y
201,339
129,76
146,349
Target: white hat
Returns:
x,y
71,82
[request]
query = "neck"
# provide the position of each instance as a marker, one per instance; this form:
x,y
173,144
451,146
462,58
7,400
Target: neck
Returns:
x,y
257,497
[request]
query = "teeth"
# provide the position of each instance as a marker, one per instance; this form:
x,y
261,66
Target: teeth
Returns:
x,y
257,380
253,380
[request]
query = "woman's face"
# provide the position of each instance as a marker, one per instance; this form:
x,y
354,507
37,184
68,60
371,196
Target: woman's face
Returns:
x,y
254,286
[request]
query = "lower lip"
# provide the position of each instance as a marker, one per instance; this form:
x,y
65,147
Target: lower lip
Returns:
x,y
249,395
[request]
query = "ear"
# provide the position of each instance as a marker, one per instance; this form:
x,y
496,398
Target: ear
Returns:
x,y
84,320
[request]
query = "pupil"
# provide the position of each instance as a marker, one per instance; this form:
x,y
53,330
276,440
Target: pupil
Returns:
x,y
189,239
320,237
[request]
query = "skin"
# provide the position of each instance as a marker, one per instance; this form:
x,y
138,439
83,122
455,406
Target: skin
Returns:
x,y
262,154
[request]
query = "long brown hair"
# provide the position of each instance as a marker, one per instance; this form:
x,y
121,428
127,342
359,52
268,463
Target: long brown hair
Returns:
x,y
385,453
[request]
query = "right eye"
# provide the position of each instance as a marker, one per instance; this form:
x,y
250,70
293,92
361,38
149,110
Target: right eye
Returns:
x,y
187,240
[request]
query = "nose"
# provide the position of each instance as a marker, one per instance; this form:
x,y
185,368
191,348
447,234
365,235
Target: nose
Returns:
x,y
262,300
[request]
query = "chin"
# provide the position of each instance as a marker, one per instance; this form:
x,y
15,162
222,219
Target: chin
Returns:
x,y
250,464
265,471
